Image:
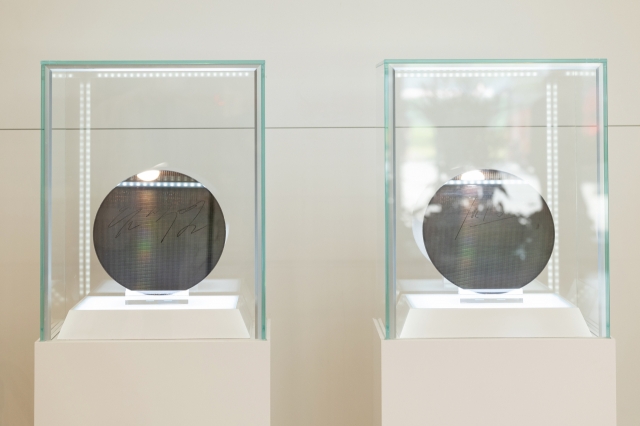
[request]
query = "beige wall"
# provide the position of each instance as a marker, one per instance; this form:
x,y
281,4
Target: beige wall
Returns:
x,y
321,149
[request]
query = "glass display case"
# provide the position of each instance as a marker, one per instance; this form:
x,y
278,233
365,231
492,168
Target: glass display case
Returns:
x,y
495,198
152,200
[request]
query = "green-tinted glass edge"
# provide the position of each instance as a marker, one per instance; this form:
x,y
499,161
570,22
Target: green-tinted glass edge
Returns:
x,y
263,331
386,207
605,118
154,62
390,213
491,61
42,200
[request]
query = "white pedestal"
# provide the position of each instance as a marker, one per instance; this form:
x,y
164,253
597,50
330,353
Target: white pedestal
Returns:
x,y
112,318
496,382
445,316
155,383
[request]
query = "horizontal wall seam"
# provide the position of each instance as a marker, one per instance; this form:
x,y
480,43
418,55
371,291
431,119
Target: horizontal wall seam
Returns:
x,y
309,127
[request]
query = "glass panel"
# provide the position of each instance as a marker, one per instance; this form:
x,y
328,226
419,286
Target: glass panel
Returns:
x,y
541,122
381,231
105,123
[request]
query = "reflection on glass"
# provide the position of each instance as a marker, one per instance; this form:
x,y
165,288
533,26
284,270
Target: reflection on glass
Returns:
x,y
148,175
487,229
543,122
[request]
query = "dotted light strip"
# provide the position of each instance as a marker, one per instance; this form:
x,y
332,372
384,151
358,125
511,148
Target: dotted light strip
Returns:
x,y
84,187
487,74
581,73
486,182
161,74
163,184
466,74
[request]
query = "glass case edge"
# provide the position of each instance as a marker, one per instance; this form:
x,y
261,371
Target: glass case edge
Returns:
x,y
491,61
390,242
386,201
261,321
605,137
45,325
156,62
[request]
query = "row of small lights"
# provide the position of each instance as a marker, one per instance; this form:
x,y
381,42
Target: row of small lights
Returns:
x,y
161,74
553,266
583,73
486,182
246,74
84,195
181,184
468,74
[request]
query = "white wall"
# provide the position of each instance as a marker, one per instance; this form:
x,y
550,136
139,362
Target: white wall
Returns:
x,y
321,148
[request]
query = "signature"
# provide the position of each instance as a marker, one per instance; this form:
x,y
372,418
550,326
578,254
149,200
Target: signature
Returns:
x,y
127,219
495,213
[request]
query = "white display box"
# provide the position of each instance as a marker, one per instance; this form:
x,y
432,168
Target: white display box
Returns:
x,y
462,134
175,122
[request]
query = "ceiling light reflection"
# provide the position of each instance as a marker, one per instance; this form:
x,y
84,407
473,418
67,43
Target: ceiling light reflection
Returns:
x,y
148,175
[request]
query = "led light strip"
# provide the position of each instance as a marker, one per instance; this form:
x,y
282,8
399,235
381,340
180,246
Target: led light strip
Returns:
x,y
160,74
84,189
486,182
466,74
163,184
487,74
581,73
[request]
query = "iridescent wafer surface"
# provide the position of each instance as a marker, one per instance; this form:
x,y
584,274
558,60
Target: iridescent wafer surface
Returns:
x,y
162,235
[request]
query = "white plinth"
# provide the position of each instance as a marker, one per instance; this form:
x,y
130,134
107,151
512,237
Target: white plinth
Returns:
x,y
494,382
445,316
194,317
154,383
